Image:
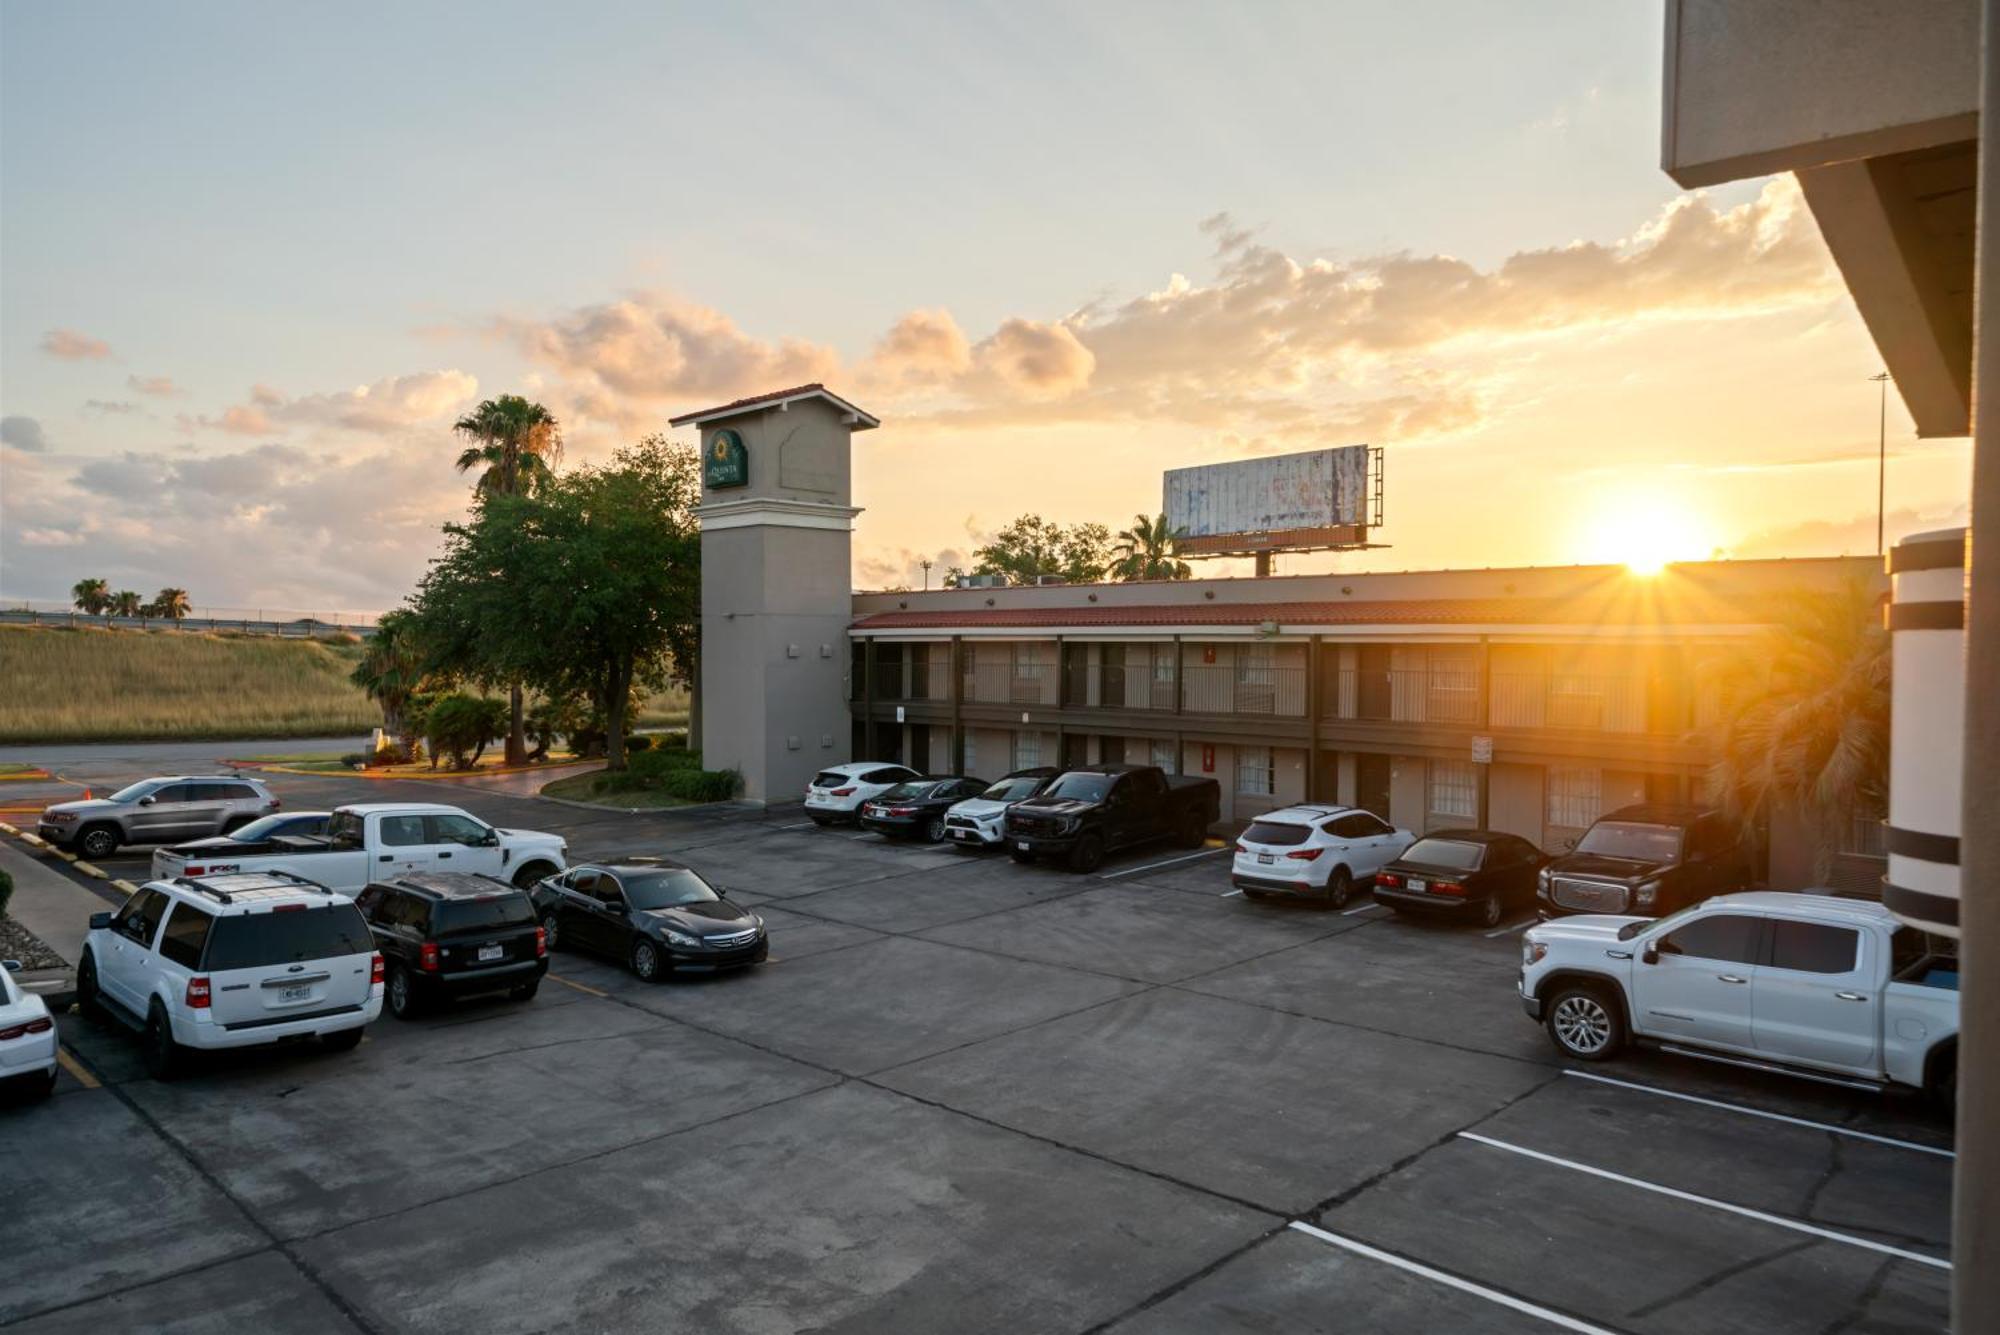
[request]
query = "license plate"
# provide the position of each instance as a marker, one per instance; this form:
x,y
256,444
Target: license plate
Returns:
x,y
1266,859
491,953
1416,885
962,834
1021,844
301,993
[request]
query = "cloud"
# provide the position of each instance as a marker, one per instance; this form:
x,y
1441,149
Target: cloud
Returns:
x,y
72,346
111,407
1037,360
389,403
903,567
1854,536
161,386
657,348
23,433
925,347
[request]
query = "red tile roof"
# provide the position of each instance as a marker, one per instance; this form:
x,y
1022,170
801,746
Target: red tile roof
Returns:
x,y
775,396
1586,610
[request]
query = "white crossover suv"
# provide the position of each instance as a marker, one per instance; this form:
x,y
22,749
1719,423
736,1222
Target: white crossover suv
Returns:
x,y
979,822
835,794
1315,851
228,961
27,1039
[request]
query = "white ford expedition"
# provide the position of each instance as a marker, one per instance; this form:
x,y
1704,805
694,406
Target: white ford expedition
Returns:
x,y
231,961
379,841
1835,989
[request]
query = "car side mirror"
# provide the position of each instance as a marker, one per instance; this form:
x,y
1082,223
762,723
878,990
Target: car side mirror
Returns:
x,y
99,921
492,839
11,966
1569,844
146,801
1651,954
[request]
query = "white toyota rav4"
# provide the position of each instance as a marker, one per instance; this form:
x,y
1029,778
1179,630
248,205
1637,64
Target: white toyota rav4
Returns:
x,y
231,961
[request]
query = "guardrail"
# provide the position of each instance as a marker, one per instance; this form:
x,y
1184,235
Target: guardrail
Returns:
x,y
298,628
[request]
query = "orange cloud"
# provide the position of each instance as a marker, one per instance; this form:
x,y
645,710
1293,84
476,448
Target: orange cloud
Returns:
x,y
72,346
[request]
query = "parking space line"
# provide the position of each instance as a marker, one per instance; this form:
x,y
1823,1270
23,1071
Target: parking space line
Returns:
x,y
1229,894
804,824
76,1069
581,987
1759,1112
1166,862
1745,1211
1452,1281
1359,908
1511,929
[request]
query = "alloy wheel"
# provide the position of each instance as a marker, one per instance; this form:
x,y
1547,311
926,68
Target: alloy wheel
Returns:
x,y
646,961
1582,1023
550,931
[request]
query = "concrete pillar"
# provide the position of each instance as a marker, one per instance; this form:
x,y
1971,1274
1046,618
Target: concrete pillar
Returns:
x,y
776,594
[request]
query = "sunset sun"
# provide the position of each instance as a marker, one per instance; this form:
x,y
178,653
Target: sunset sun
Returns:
x,y
1646,532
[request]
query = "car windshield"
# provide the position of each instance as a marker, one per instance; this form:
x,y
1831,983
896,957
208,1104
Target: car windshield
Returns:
x,y
1012,790
908,791
1455,854
1081,787
133,792
287,936
1631,839
667,889
830,779
1632,929
1277,833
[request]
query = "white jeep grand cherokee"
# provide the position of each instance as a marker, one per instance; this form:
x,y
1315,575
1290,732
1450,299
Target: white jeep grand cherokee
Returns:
x,y
231,961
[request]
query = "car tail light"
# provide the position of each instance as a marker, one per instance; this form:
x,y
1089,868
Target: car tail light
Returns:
x,y
902,811
193,871
541,943
197,994
1447,888
843,792
41,1026
377,970
427,957
274,805
1388,878
1242,848
1304,854
288,908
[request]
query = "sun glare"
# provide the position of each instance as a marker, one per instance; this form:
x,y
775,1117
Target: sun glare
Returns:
x,y
1645,533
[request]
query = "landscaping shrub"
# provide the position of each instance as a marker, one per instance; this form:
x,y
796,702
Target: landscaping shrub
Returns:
x,y
460,726
637,743
659,764
357,759
703,785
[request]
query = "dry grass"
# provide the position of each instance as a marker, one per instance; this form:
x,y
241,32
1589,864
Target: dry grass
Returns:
x,y
120,685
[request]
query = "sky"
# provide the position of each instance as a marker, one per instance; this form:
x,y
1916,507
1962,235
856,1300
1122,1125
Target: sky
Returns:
x,y
256,258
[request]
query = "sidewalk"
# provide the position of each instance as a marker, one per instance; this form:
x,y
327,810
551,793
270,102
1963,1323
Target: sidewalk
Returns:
x,y
50,905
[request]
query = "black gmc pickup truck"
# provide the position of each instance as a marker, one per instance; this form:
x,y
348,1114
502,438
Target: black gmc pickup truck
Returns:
x,y
1095,810
1647,861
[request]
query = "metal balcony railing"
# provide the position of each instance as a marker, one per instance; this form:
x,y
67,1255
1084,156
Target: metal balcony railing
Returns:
x,y
1011,684
1244,688
1406,695
1132,686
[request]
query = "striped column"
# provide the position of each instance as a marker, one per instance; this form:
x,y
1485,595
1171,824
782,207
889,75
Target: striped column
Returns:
x,y
1926,617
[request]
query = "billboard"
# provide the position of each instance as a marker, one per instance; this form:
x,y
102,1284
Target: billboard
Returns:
x,y
1317,499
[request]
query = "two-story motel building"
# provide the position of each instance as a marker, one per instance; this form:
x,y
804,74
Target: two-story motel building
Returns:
x,y
1525,700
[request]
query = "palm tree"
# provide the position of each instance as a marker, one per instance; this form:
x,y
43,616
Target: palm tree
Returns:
x,y
92,596
516,442
1803,719
1146,551
171,604
126,603
391,669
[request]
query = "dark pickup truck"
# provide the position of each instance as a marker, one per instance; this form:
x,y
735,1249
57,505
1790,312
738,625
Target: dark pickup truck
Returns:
x,y
1101,808
1646,861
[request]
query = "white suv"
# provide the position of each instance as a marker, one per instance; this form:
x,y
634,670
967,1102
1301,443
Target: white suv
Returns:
x,y
836,793
231,961
1315,850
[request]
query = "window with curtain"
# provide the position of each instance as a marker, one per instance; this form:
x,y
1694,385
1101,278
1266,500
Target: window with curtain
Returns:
x,y
1454,789
1575,795
1027,750
1254,776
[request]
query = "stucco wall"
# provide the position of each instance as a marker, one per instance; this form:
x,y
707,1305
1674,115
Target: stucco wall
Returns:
x,y
1514,800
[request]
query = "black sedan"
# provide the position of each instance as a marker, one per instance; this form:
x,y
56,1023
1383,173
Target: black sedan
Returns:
x,y
656,917
915,810
1483,875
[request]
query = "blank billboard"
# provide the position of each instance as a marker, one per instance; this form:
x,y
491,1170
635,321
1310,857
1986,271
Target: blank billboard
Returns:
x,y
1316,498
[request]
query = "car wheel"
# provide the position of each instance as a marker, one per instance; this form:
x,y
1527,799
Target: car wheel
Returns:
x,y
99,841
162,1054
551,930
40,1088
525,992
1087,853
88,1003
1340,887
1021,855
341,1040
403,1001
1194,831
526,877
1942,1084
934,832
1585,1025
646,961
1491,911
822,821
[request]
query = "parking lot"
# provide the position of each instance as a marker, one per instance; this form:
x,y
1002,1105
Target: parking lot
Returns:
x,y
967,1095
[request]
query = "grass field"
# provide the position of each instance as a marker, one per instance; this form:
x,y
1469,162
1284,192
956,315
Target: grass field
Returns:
x,y
118,685
90,685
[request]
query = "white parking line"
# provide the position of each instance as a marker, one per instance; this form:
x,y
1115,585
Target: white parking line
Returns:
x,y
1768,1116
800,826
1745,1211
1164,862
1510,930
1349,913
1229,894
1507,1300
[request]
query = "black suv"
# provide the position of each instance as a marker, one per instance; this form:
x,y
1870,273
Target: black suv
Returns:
x,y
1646,860
452,934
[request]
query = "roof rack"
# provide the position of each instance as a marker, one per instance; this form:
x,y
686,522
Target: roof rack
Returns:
x,y
223,896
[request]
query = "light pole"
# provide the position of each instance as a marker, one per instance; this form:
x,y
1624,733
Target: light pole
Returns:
x,y
926,564
1881,455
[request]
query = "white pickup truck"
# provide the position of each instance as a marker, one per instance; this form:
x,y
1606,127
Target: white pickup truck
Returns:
x,y
373,841
1833,989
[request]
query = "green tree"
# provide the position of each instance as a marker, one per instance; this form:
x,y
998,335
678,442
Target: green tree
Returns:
x,y
1147,550
171,604
515,441
126,603
460,726
585,588
91,596
391,671
1803,719
1032,547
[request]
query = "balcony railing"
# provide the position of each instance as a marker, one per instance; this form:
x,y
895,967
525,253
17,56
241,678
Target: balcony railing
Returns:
x,y
1407,695
1580,702
1136,686
1011,684
911,681
1242,688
